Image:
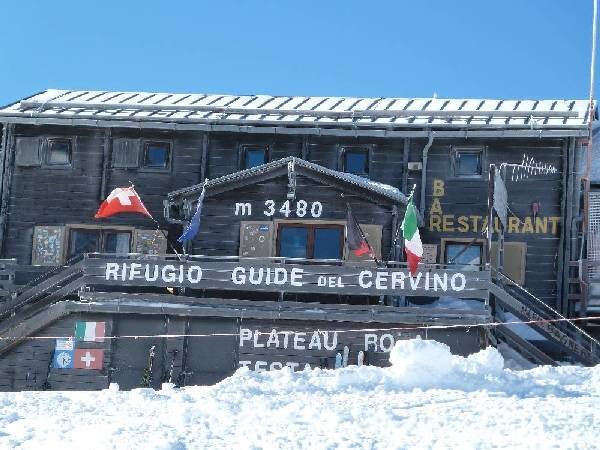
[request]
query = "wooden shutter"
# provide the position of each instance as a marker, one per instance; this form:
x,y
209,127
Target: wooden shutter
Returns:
x,y
126,153
373,234
48,246
256,239
28,152
514,260
149,242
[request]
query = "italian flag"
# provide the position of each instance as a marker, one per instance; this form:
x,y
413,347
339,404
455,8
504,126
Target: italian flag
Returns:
x,y
412,240
90,331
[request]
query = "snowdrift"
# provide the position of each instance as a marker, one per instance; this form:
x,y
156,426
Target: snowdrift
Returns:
x,y
428,397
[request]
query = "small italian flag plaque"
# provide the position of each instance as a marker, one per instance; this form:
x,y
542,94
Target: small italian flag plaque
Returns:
x,y
90,331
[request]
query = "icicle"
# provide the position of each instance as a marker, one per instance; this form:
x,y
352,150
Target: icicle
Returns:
x,y
345,357
338,360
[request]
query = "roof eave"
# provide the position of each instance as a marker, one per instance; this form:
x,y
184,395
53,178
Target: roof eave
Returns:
x,y
278,127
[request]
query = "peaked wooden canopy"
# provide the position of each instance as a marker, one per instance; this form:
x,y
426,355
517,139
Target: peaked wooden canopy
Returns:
x,y
292,166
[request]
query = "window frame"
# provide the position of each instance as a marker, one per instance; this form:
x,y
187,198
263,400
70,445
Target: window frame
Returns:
x,y
244,150
444,242
311,225
457,150
48,149
145,144
98,228
44,144
367,149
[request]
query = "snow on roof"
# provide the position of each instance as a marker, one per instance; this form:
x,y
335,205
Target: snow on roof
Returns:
x,y
287,111
382,189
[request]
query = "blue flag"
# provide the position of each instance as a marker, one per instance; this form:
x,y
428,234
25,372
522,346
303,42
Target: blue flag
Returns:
x,y
192,229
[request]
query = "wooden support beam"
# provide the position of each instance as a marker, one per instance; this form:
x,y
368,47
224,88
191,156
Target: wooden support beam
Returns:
x,y
7,157
305,147
204,161
405,156
106,162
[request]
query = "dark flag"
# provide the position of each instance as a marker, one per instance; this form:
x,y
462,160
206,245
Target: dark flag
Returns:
x,y
192,229
357,242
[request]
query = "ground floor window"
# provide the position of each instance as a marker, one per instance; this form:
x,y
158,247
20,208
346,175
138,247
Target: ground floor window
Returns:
x,y
89,240
310,241
463,255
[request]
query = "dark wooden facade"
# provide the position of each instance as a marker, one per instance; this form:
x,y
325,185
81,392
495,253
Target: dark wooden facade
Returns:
x,y
42,202
70,195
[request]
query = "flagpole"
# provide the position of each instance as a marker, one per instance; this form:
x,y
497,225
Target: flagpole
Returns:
x,y
183,239
399,226
362,235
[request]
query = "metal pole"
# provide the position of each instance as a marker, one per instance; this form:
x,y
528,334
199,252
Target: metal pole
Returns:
x,y
586,179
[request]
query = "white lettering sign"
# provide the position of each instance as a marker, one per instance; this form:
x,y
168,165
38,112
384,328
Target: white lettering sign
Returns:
x,y
286,277
299,208
243,209
270,349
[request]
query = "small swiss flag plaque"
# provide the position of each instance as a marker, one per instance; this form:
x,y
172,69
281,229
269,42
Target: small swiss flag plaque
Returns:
x,y
88,358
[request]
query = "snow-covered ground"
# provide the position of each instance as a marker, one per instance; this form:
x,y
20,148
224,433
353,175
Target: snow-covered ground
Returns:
x,y
427,399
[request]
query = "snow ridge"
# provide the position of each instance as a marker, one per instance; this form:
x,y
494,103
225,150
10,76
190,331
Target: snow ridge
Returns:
x,y
427,398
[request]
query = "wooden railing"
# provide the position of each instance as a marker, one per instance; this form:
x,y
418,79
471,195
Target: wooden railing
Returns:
x,y
132,271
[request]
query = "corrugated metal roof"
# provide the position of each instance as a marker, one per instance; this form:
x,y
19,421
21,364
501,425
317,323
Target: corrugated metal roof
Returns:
x,y
324,112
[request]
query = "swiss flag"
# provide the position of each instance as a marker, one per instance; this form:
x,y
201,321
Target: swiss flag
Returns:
x,y
122,200
88,358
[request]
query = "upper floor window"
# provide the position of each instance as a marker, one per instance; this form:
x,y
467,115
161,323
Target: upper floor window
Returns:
x,y
157,155
133,153
37,151
467,162
58,152
254,156
356,161
310,241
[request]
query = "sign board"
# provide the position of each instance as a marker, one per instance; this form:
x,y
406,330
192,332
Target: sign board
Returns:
x,y
48,245
314,278
429,254
271,346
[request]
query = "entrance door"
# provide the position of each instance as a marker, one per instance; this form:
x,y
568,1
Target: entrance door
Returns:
x,y
211,353
130,366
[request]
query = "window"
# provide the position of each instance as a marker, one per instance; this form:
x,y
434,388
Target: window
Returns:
x,y
254,156
89,240
157,155
59,152
311,241
463,255
356,161
467,162
43,152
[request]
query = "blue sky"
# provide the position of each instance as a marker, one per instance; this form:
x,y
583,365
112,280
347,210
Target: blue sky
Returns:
x,y
458,48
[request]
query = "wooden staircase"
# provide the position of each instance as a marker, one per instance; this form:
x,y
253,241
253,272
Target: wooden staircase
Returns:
x,y
570,342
